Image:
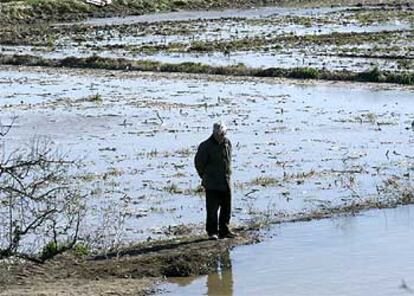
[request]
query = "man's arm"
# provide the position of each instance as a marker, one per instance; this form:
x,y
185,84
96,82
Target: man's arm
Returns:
x,y
200,160
230,147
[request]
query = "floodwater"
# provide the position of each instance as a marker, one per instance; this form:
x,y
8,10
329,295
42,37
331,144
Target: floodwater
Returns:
x,y
297,145
151,34
254,59
281,60
213,14
367,254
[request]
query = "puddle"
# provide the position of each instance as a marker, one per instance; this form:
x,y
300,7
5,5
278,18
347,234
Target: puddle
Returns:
x,y
367,254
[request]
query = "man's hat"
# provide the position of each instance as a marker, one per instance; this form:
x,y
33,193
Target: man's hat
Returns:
x,y
219,127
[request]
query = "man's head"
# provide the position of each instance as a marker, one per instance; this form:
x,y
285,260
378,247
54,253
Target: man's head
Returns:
x,y
219,131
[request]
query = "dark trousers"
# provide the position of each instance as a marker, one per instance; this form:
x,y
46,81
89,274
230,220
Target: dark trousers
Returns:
x,y
215,201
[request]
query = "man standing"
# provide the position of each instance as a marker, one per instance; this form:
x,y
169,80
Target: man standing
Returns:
x,y
213,165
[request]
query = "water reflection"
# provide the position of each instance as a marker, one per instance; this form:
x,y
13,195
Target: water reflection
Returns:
x,y
221,281
217,283
352,255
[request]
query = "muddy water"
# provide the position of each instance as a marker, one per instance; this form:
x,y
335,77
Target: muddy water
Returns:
x,y
368,254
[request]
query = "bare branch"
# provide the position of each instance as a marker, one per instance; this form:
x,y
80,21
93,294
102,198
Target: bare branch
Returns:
x,y
6,128
39,220
37,197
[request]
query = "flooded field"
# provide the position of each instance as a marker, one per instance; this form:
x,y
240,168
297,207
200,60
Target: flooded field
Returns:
x,y
355,38
298,146
351,255
130,98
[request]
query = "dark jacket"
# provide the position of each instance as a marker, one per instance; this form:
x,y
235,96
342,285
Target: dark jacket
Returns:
x,y
213,164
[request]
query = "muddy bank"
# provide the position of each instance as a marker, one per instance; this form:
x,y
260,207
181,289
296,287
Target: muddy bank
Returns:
x,y
137,269
132,271
95,62
14,12
356,255
23,12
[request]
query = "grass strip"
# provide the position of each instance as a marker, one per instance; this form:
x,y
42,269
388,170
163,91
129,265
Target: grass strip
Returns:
x,y
95,62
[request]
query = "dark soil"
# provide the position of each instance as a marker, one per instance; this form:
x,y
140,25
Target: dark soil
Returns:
x,y
133,270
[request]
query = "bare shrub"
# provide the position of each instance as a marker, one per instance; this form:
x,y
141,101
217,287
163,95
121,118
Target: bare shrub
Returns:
x,y
39,206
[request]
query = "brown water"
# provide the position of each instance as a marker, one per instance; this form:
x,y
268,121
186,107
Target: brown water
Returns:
x,y
368,254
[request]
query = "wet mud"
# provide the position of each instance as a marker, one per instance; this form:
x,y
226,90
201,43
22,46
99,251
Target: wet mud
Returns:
x,y
131,271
